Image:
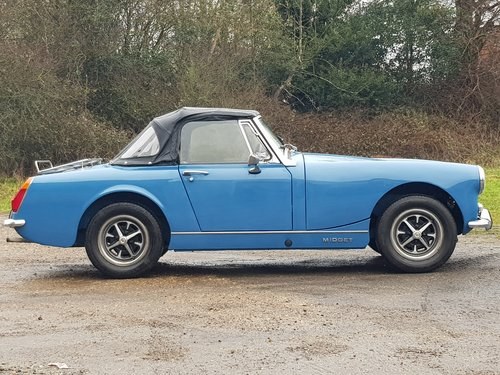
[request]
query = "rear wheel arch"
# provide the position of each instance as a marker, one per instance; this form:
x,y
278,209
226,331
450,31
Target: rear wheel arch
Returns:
x,y
125,197
415,189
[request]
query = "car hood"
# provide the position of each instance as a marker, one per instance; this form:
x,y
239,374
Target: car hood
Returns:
x,y
383,162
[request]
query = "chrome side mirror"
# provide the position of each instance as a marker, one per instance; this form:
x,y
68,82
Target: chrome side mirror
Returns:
x,y
253,161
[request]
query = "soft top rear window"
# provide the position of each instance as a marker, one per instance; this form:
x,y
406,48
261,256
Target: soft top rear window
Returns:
x,y
145,145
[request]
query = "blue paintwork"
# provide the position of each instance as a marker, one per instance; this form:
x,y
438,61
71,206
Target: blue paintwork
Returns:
x,y
229,198
322,192
342,190
55,203
261,241
353,236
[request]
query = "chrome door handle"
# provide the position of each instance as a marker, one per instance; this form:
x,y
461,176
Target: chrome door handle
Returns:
x,y
190,173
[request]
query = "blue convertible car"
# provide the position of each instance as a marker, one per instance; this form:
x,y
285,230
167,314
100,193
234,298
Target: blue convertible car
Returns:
x,y
214,179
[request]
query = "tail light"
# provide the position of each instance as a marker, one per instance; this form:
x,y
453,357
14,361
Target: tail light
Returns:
x,y
18,199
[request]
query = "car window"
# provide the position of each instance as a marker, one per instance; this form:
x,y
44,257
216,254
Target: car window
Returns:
x,y
255,143
213,142
145,145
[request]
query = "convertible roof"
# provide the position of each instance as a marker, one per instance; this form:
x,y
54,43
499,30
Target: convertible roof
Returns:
x,y
168,126
169,120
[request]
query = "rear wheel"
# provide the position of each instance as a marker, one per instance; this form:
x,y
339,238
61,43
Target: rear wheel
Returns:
x,y
374,247
417,234
124,240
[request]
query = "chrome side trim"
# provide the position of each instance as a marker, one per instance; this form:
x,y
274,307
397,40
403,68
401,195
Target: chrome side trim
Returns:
x,y
276,232
484,220
11,223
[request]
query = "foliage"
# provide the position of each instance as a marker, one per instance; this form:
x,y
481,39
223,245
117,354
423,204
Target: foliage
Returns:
x,y
491,195
8,188
78,77
376,54
405,133
43,117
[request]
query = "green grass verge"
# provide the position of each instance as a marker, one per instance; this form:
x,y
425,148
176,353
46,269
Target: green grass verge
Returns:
x,y
491,198
8,188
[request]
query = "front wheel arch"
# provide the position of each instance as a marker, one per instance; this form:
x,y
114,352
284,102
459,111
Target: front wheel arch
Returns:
x,y
411,189
122,197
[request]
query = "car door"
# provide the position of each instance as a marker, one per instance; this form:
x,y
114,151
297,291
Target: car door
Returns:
x,y
226,193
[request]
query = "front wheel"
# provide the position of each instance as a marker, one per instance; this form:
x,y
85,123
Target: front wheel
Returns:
x,y
124,240
417,234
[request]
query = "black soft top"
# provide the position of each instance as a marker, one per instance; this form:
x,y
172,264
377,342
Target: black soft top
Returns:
x,y
168,127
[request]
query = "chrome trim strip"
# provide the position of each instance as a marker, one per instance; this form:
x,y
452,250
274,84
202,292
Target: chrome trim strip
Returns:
x,y
240,125
484,220
276,232
11,223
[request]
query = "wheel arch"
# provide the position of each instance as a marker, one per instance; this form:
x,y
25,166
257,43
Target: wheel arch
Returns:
x,y
117,197
415,188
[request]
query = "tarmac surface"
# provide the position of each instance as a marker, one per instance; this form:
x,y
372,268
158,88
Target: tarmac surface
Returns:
x,y
250,312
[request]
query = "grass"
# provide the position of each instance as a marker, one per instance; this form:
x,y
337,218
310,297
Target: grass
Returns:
x,y
491,197
8,188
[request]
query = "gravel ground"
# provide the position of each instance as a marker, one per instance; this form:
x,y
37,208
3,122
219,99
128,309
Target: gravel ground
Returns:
x,y
289,312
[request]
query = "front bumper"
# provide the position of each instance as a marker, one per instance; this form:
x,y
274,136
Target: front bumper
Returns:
x,y
11,223
484,219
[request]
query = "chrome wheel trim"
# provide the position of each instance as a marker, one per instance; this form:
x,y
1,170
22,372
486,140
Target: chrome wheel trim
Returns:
x,y
417,234
123,240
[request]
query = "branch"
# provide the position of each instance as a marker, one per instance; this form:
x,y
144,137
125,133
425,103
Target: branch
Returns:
x,y
332,84
283,86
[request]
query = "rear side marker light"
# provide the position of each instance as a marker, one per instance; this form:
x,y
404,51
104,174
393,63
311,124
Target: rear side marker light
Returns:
x,y
19,197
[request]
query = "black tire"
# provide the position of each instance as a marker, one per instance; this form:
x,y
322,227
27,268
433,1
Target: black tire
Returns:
x,y
374,247
417,234
124,240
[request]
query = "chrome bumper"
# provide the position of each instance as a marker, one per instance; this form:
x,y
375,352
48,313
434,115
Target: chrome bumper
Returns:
x,y
11,223
484,219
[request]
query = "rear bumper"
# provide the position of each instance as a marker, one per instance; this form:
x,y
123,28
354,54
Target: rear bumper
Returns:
x,y
12,223
483,221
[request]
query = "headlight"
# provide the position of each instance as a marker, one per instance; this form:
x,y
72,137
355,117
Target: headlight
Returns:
x,y
482,179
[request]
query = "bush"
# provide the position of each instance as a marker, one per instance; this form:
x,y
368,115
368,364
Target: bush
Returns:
x,y
396,134
43,117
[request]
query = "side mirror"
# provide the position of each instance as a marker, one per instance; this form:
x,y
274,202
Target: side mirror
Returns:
x,y
253,161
